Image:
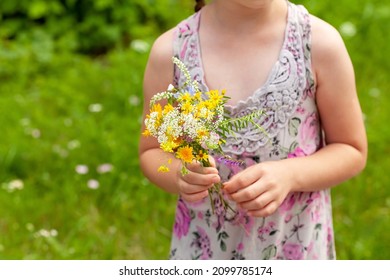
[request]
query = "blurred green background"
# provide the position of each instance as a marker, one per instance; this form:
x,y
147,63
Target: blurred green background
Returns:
x,y
70,114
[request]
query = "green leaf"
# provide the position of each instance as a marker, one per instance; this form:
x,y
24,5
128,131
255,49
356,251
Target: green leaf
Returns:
x,y
293,126
223,235
269,252
223,246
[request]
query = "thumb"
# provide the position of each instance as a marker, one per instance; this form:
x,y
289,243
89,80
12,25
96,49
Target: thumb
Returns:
x,y
212,161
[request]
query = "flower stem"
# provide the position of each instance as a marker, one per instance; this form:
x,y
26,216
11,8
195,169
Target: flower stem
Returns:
x,y
216,188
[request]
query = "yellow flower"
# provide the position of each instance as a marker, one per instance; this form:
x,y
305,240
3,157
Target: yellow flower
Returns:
x,y
198,110
185,154
211,104
178,142
202,156
201,133
163,169
198,96
146,133
167,108
168,146
215,96
186,108
156,108
186,97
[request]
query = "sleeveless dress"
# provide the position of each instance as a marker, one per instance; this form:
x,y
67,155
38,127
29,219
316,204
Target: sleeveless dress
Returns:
x,y
302,226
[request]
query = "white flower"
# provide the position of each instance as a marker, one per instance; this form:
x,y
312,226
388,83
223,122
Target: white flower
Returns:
x,y
82,169
36,133
93,184
348,29
95,108
73,144
104,168
134,100
170,87
14,185
45,233
140,46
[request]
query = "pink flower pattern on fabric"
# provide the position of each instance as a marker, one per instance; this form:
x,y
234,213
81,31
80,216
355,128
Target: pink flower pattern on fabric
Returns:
x,y
182,220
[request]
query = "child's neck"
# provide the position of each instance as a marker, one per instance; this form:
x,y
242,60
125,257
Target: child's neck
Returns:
x,y
239,16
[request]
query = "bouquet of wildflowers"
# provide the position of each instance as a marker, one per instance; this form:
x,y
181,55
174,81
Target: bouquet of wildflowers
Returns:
x,y
192,124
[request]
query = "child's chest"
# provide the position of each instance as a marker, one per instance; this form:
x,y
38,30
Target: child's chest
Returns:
x,y
241,67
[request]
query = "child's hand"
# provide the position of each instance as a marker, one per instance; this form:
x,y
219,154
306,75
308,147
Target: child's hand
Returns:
x,y
194,185
260,189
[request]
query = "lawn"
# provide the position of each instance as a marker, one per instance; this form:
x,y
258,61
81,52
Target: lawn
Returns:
x,y
70,183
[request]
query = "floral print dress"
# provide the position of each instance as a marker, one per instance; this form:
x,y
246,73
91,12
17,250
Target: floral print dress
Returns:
x,y
302,226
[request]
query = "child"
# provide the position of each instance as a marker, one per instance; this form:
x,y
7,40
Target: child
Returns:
x,y
272,55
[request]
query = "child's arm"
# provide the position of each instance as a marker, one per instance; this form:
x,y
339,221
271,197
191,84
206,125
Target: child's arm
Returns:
x,y
193,186
262,188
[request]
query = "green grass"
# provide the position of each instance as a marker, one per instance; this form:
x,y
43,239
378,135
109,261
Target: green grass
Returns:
x,y
61,110
47,129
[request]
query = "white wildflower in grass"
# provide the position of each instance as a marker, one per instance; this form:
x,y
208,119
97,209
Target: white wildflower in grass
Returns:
x,y
134,100
348,29
73,144
95,108
53,232
45,233
104,168
140,46
82,169
35,133
191,124
14,185
93,184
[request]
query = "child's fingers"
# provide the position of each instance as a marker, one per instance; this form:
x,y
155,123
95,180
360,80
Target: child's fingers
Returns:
x,y
212,161
194,197
198,168
194,178
191,192
257,203
240,181
266,211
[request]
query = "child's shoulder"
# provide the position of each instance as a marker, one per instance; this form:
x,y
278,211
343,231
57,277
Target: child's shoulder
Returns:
x,y
326,41
163,45
323,30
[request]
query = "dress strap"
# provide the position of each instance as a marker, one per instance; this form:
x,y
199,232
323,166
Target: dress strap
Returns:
x,y
185,45
303,19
